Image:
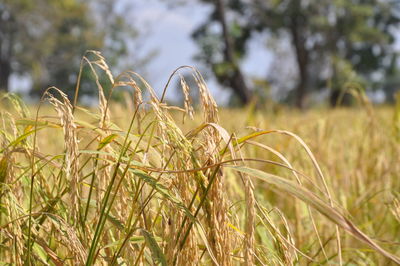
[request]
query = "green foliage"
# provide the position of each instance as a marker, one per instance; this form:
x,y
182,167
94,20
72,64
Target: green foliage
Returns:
x,y
350,40
46,39
45,34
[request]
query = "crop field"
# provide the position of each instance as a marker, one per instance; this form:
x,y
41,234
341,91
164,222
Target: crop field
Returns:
x,y
145,183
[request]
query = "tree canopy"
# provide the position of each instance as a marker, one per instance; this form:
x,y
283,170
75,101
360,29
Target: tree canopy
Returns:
x,y
333,41
45,40
330,43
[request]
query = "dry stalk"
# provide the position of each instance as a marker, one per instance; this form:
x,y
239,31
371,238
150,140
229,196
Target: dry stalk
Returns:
x,y
16,229
219,234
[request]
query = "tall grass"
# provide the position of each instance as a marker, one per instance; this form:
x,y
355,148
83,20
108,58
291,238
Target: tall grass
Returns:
x,y
134,185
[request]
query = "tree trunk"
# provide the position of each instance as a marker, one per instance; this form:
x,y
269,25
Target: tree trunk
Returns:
x,y
5,72
302,55
7,30
235,76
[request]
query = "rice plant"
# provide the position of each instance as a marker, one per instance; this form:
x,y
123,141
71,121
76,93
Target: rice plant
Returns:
x,y
135,185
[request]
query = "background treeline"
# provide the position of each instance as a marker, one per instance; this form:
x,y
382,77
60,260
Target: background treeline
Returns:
x,y
333,43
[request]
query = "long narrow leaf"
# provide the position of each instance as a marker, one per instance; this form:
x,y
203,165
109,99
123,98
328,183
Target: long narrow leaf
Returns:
x,y
317,203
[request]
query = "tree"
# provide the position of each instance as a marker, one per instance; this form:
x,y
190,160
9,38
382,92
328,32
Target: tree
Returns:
x,y
346,39
7,38
362,36
46,40
222,50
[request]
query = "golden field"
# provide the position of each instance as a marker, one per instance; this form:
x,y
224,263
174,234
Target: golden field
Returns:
x,y
131,184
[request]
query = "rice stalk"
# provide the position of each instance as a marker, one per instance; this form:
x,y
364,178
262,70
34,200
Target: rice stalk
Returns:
x,y
64,111
152,190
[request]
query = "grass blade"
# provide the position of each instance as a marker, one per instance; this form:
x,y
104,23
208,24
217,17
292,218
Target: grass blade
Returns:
x,y
317,203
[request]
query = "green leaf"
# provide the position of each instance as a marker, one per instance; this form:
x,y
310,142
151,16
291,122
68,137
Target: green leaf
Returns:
x,y
106,141
3,169
162,190
21,138
156,252
38,123
39,252
132,240
115,222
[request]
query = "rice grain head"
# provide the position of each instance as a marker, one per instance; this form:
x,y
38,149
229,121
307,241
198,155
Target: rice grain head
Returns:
x,y
64,111
220,235
69,238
